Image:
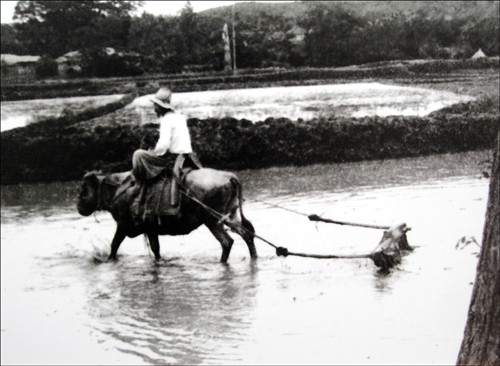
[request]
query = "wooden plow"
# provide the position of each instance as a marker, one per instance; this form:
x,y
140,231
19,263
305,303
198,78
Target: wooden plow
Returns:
x,y
391,247
386,255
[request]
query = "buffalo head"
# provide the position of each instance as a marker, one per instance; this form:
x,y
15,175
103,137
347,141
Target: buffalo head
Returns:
x,y
88,197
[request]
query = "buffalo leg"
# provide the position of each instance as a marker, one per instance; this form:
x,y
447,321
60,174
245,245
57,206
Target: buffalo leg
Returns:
x,y
115,244
225,240
155,245
247,232
248,236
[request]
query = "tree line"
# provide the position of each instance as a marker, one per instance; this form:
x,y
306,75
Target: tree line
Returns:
x,y
318,34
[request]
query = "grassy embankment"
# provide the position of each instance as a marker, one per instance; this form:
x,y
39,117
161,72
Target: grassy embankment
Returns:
x,y
63,148
403,71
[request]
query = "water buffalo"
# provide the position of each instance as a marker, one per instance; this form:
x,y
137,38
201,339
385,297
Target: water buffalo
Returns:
x,y
217,192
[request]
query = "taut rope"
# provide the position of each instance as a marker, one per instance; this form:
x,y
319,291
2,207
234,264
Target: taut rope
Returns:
x,y
380,258
280,251
314,217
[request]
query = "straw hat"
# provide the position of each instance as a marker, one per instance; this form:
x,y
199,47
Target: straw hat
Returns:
x,y
162,98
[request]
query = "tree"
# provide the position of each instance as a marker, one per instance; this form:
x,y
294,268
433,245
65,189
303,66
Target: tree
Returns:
x,y
481,342
331,35
157,38
9,41
484,34
210,44
56,27
188,30
380,39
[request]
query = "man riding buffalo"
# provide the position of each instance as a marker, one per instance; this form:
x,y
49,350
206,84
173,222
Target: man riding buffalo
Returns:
x,y
141,201
170,153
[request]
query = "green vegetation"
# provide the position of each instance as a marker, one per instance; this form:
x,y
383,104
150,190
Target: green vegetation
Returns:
x,y
63,148
300,34
301,43
408,70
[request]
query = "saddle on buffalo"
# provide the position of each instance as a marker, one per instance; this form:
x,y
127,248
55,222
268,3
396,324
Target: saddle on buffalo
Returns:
x,y
159,196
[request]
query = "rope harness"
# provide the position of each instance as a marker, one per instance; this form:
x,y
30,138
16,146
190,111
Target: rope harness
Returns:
x,y
380,258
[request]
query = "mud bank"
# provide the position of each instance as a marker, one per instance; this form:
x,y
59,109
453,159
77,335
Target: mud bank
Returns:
x,y
63,149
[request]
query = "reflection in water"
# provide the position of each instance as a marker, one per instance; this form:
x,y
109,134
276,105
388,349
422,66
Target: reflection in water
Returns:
x,y
65,303
179,311
381,281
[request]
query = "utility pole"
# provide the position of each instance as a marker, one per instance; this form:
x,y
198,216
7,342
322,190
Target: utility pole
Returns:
x,y
228,63
234,45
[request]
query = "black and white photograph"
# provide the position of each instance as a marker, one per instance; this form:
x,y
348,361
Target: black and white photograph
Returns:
x,y
250,182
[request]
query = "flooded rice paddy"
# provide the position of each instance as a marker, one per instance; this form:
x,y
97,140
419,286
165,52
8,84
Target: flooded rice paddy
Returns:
x,y
308,102
21,113
257,104
62,305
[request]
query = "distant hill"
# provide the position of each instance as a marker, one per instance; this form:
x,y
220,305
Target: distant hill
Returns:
x,y
474,10
268,35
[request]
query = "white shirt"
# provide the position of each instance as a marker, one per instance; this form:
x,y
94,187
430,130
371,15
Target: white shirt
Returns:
x,y
174,135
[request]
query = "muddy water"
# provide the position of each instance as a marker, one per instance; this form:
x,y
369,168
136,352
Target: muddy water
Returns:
x,y
21,113
61,304
307,102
